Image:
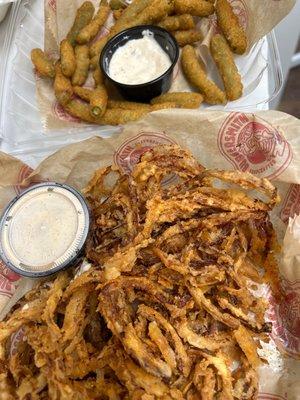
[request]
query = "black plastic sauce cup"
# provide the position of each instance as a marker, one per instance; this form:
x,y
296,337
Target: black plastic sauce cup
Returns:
x,y
143,92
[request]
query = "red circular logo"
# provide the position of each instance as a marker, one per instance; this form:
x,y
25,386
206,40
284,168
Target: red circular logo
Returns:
x,y
253,145
60,113
291,204
130,152
285,318
7,273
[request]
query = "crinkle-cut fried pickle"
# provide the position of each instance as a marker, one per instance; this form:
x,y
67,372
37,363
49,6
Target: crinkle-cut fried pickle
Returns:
x,y
199,8
43,65
55,295
83,17
178,22
67,58
230,26
82,65
89,32
198,78
224,60
247,344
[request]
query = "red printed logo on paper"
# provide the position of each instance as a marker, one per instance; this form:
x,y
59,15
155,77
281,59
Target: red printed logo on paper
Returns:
x,y
291,204
7,273
269,396
253,145
129,154
285,317
52,4
7,288
240,10
60,113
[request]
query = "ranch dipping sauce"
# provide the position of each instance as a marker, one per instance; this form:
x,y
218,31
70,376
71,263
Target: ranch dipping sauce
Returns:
x,y
139,61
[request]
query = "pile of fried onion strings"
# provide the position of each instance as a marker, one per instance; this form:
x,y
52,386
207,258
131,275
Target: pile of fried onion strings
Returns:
x,y
168,308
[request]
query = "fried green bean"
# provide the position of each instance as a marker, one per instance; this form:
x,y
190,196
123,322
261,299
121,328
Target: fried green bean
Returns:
x,y
199,8
224,60
83,93
198,78
98,76
62,86
230,26
82,65
98,101
187,37
67,58
43,65
177,22
83,17
181,99
90,31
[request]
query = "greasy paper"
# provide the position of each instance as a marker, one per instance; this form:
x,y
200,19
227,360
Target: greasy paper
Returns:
x,y
266,144
256,16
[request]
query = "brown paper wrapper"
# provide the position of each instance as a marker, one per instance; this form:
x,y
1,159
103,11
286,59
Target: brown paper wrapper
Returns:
x,y
266,144
256,16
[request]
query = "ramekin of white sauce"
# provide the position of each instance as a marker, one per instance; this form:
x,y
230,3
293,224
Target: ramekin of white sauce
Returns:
x,y
140,61
44,229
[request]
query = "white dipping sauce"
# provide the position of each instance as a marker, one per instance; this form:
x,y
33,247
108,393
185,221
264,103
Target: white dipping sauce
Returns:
x,y
139,61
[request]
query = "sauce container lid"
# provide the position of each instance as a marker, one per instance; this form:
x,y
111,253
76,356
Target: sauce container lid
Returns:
x,y
44,229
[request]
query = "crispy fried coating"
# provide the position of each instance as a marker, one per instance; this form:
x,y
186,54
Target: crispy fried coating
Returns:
x,y
120,117
198,78
165,309
178,22
117,14
230,26
90,30
62,86
98,76
116,4
83,93
182,99
199,8
83,17
187,37
43,65
127,105
223,57
67,58
82,65
98,101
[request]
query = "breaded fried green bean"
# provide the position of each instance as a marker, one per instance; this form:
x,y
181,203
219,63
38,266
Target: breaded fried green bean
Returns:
x,y
181,99
117,14
199,8
120,117
163,106
153,13
62,86
90,30
198,78
83,17
178,22
127,105
230,26
187,37
80,110
42,64
82,65
132,11
83,93
97,47
224,60
98,101
67,58
98,76
116,4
